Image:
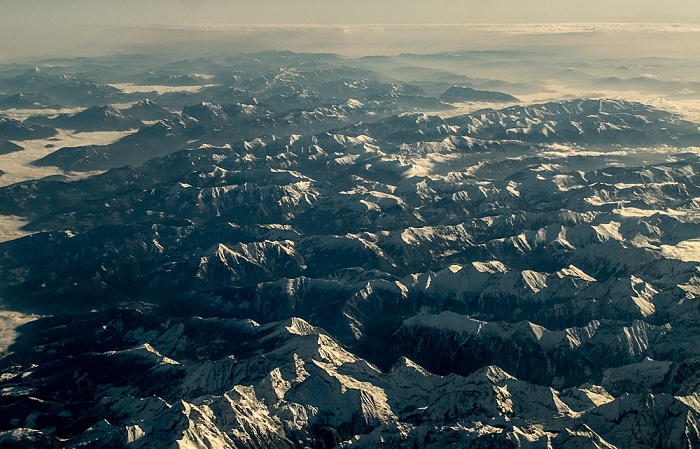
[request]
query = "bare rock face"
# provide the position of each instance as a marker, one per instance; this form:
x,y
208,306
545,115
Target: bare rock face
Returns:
x,y
11,129
8,147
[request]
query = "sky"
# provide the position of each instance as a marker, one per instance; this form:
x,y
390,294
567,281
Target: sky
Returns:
x,y
345,12
32,28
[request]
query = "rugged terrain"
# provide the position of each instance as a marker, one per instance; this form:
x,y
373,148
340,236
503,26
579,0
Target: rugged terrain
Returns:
x,y
305,258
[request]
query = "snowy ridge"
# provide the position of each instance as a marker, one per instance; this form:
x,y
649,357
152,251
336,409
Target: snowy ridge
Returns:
x,y
279,395
303,259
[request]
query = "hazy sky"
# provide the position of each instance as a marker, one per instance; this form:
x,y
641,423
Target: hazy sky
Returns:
x,y
31,28
348,11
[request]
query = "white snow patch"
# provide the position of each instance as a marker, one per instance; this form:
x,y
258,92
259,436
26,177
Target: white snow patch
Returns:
x,y
574,271
692,401
598,395
609,231
538,330
355,103
424,166
536,281
644,295
297,326
493,266
134,433
687,250
566,182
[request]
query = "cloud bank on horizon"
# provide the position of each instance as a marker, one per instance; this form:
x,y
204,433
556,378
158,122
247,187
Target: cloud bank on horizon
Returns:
x,y
354,12
42,28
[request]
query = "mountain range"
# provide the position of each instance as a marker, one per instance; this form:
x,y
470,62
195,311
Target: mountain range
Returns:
x,y
355,272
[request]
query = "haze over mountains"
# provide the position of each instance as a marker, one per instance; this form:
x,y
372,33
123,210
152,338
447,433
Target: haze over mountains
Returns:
x,y
277,249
